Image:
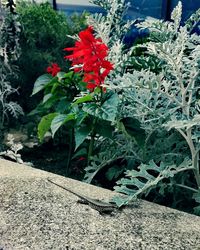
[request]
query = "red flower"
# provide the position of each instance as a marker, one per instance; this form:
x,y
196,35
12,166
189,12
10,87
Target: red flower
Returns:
x,y
53,69
88,56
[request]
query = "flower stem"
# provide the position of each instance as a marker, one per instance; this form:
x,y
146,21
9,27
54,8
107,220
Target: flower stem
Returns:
x,y
93,132
91,145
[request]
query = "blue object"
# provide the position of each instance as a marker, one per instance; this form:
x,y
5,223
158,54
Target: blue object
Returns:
x,y
69,9
140,9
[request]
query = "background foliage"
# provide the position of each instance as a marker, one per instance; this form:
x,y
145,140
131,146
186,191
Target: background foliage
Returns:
x,y
42,39
9,53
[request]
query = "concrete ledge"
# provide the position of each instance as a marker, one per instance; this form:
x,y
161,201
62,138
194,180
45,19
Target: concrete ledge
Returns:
x,y
34,214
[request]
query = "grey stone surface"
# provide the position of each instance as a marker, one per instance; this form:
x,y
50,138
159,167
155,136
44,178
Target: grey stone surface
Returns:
x,y
34,214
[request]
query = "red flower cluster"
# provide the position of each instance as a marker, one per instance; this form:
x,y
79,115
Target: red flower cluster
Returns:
x,y
53,69
89,56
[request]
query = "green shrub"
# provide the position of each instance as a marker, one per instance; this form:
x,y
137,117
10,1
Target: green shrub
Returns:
x,y
43,37
9,52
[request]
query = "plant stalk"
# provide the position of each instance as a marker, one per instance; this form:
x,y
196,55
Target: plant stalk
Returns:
x,y
195,160
93,132
186,187
91,145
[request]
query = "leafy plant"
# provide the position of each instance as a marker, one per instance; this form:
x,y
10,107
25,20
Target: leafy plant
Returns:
x,y
168,99
12,153
93,105
9,52
55,108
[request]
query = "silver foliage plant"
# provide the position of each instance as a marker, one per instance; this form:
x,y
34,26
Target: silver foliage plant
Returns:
x,y
164,101
8,54
169,99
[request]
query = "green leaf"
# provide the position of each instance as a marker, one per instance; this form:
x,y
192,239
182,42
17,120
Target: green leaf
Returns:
x,y
120,201
97,90
147,177
69,74
104,129
50,103
86,98
102,160
46,98
81,134
63,75
81,117
54,87
133,128
41,82
60,120
63,106
107,111
45,125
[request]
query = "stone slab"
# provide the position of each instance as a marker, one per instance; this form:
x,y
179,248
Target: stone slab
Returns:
x,y
36,215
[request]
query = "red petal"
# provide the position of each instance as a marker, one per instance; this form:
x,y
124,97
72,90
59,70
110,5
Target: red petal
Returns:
x,y
107,65
68,49
91,86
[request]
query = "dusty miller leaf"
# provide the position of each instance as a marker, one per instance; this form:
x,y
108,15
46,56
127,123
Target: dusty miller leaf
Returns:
x,y
143,180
